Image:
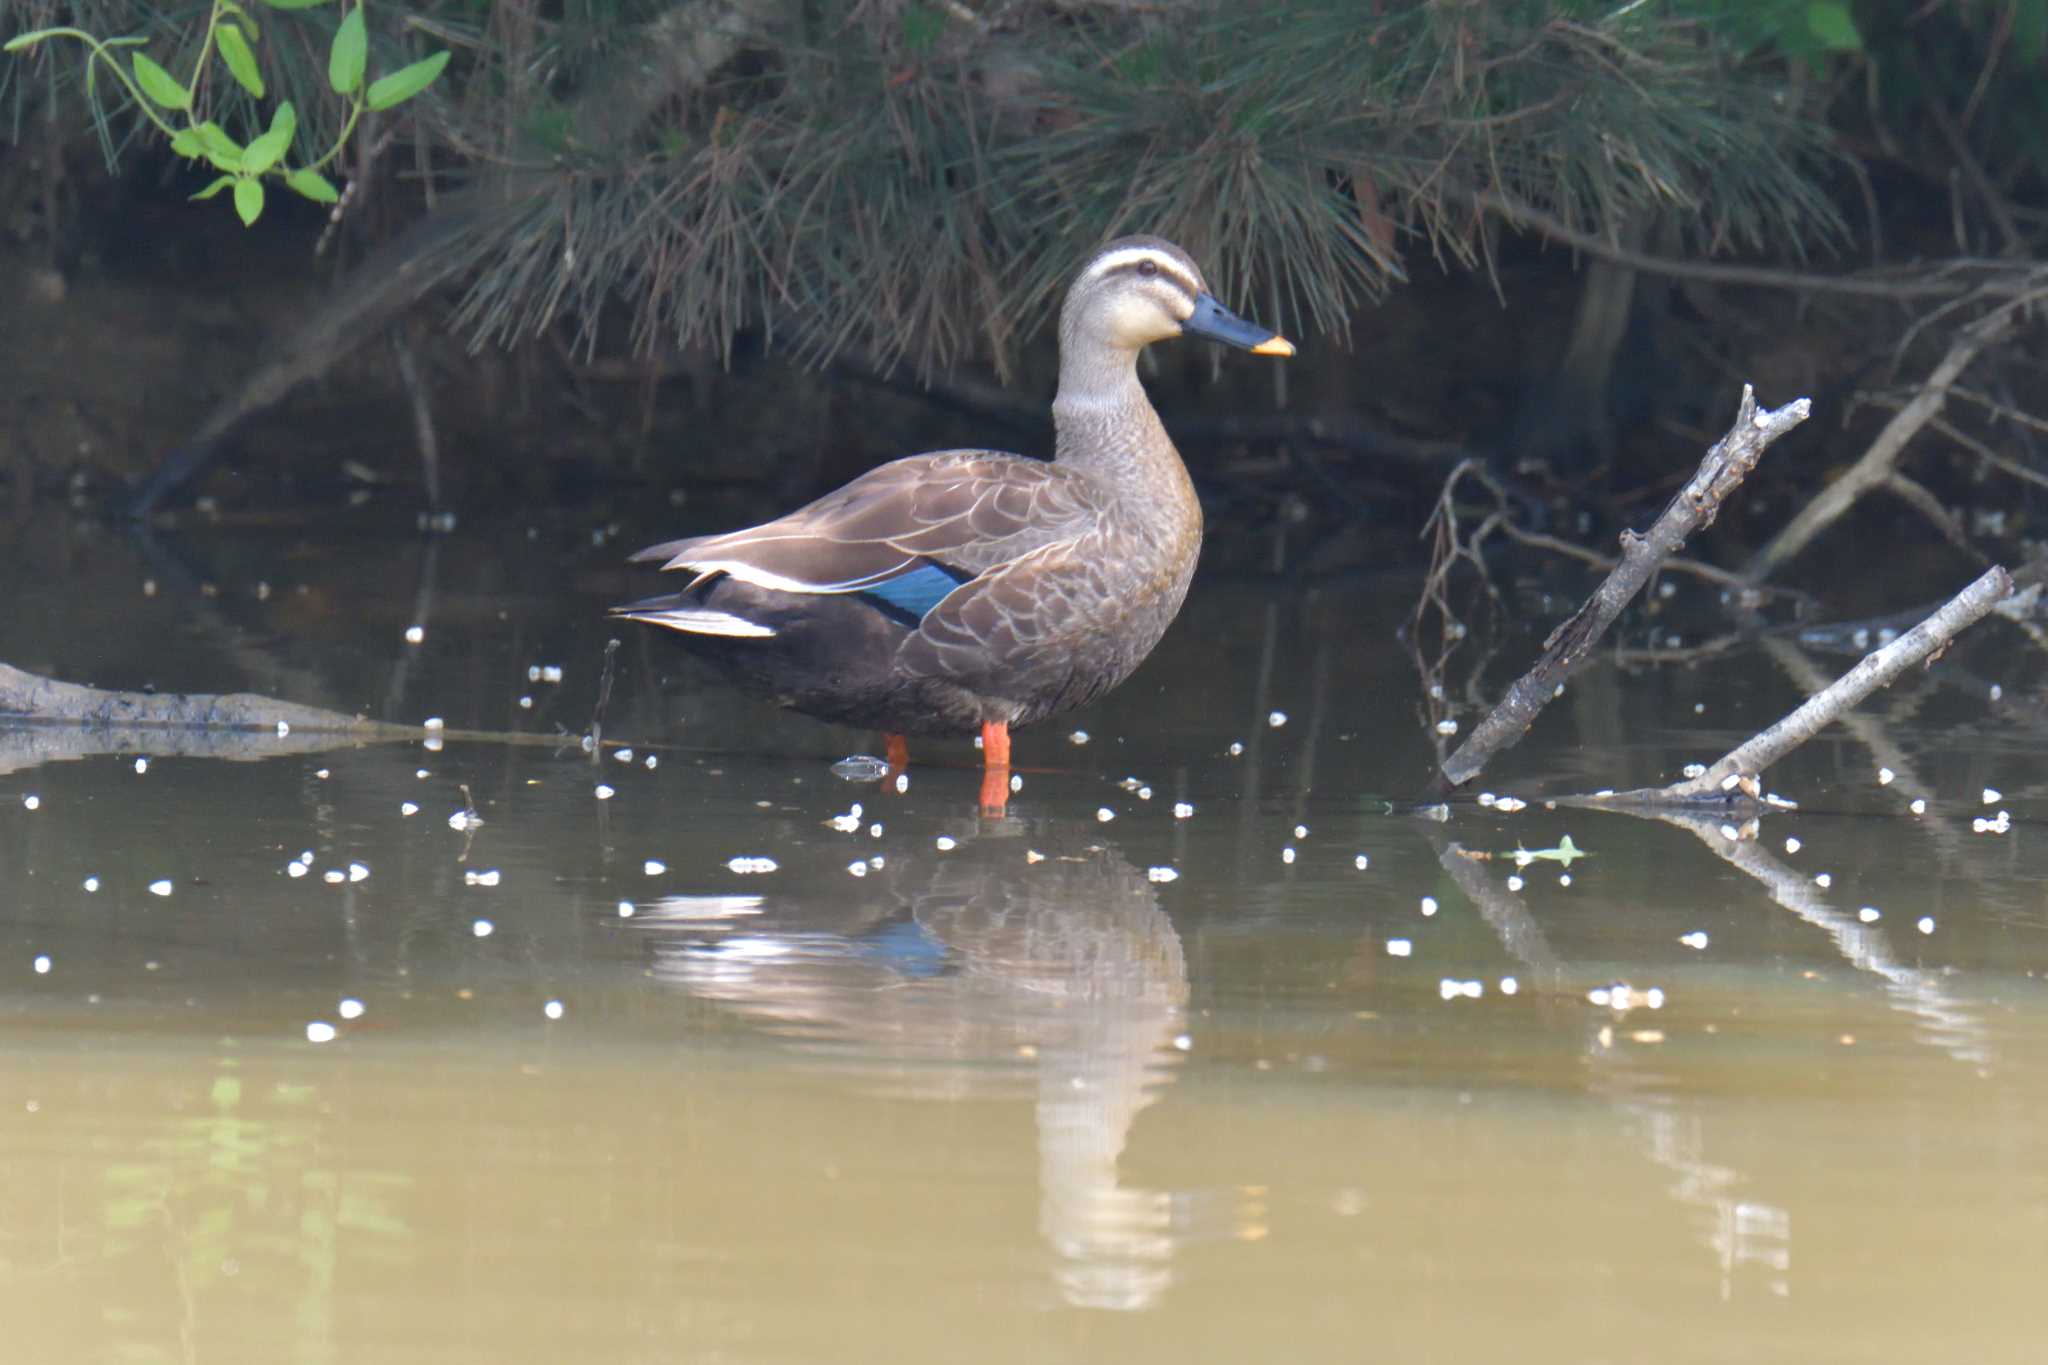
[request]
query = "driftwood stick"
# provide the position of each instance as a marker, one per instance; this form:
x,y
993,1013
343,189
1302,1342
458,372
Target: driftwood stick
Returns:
x,y
1694,507
1734,773
1875,468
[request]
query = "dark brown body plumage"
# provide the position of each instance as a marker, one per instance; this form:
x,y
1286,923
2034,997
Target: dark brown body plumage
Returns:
x,y
954,590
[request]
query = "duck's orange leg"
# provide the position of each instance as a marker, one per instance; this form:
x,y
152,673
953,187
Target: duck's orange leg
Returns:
x,y
995,767
897,749
995,744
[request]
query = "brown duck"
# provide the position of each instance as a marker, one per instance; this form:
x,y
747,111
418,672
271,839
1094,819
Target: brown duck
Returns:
x,y
969,590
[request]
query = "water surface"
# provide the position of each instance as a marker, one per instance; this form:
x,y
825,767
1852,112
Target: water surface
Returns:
x,y
1210,1049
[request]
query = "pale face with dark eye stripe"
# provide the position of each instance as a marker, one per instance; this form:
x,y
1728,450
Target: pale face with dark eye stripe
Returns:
x,y
1137,290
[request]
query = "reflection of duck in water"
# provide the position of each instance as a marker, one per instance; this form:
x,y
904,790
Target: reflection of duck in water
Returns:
x,y
996,950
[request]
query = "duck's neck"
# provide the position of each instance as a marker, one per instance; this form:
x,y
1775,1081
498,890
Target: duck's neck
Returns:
x,y
1103,423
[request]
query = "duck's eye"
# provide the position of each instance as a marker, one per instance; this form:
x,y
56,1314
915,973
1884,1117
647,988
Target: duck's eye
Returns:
x,y
1148,268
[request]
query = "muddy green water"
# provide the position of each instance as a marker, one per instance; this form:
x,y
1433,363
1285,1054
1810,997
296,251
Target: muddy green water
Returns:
x,y
721,1068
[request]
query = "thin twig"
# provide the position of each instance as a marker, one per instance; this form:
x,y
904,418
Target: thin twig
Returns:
x,y
1875,467
1694,507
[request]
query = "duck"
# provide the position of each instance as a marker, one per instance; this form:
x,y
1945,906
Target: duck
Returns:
x,y
964,592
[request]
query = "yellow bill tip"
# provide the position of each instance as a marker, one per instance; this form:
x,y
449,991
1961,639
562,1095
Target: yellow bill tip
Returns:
x,y
1274,345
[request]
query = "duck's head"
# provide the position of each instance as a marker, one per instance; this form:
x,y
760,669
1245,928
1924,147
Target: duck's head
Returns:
x,y
1138,290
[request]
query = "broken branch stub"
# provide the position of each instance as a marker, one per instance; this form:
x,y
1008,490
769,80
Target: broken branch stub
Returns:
x,y
1693,507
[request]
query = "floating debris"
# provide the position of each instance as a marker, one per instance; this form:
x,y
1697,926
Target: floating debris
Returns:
x,y
465,820
296,869
627,909
1428,906
141,765
603,792
408,809
945,843
1450,989
1447,726
1508,985
553,1009
1791,843
1078,737
858,768
91,884
434,723
415,634
747,866
1870,914
1622,997
483,928
1287,854
1696,940
42,964
1361,862
653,762
1183,810
1236,749
1104,814
1301,831
1824,880
1925,924
334,876
489,877
350,1008
1885,776
284,729
1992,796
1918,805
32,801
857,868
902,783
1508,805
526,703
1276,719
547,673
320,1031
160,887
654,867
1161,874
1400,947
1998,824
358,872
1514,882
623,755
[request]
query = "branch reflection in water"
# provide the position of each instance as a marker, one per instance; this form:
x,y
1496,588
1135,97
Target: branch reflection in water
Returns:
x,y
1020,960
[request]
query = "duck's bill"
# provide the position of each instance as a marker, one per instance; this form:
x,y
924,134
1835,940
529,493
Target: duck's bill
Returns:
x,y
1212,320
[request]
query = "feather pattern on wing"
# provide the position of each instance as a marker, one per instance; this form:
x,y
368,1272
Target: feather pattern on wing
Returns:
x,y
968,510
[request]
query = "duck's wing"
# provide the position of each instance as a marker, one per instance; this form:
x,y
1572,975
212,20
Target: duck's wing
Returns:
x,y
1012,630
940,519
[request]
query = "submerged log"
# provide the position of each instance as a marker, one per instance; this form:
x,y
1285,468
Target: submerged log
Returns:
x,y
25,697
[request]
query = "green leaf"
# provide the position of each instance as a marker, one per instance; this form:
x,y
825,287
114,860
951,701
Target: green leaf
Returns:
x,y
21,40
186,143
402,84
347,57
223,151
158,85
313,185
1831,23
234,50
269,147
294,4
219,184
249,201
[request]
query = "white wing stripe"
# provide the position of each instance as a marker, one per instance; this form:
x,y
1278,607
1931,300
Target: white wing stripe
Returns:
x,y
703,622
764,578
